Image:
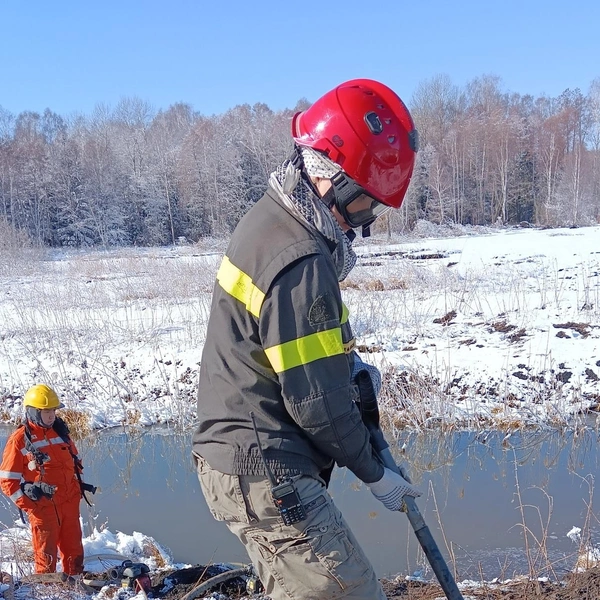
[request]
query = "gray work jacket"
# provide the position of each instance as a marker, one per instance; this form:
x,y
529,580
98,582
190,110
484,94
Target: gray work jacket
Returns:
x,y
279,345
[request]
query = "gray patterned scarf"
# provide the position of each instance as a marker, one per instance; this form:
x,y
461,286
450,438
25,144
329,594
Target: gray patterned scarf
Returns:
x,y
298,197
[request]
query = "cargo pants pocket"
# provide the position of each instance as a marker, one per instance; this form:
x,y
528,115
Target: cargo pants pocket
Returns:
x,y
222,492
318,562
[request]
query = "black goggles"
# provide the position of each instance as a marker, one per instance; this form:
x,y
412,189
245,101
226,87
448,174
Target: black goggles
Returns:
x,y
355,205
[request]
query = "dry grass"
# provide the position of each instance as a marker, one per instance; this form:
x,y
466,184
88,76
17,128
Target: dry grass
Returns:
x,y
19,550
5,416
133,417
78,422
416,400
159,299
375,284
150,549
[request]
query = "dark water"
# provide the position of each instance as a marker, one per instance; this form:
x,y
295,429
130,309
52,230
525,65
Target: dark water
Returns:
x,y
481,492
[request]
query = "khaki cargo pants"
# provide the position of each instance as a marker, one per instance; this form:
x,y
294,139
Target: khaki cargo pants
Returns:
x,y
317,559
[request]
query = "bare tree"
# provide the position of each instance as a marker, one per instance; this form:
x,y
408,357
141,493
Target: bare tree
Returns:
x,y
133,175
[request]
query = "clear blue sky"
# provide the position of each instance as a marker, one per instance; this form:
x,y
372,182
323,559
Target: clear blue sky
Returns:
x,y
71,55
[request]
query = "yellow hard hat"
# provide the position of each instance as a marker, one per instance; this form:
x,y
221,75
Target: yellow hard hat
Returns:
x,y
42,396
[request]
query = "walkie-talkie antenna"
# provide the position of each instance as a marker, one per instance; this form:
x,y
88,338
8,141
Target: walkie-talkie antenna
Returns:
x,y
262,454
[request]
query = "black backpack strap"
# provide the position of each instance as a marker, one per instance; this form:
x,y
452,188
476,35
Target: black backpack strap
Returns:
x,y
39,456
63,431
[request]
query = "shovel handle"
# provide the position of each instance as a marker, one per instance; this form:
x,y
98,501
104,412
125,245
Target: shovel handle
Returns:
x,y
370,415
424,537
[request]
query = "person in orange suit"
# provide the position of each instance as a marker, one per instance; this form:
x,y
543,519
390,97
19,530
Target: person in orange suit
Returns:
x,y
41,474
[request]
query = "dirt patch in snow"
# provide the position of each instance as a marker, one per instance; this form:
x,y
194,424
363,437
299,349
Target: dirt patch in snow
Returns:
x,y
575,586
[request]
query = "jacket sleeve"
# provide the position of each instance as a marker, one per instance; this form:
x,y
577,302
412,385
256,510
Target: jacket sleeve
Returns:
x,y
11,473
300,331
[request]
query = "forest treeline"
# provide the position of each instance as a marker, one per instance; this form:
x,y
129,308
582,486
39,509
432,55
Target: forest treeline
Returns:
x,y
130,175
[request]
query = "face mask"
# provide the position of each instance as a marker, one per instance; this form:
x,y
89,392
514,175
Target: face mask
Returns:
x,y
35,416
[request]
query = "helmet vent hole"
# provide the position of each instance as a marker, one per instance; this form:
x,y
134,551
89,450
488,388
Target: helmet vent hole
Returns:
x,y
391,139
373,123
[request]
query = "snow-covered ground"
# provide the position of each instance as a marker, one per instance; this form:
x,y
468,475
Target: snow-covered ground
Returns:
x,y
493,330
103,550
499,328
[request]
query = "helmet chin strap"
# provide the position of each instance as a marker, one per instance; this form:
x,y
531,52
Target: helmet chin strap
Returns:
x,y
330,198
345,190
342,191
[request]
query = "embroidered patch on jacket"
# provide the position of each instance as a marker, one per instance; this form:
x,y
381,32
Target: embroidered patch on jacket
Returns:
x,y
322,310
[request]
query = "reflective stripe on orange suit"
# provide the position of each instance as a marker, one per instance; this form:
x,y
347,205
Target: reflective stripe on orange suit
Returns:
x,y
55,523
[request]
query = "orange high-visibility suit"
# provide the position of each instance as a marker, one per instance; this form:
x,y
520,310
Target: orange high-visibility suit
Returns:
x,y
54,521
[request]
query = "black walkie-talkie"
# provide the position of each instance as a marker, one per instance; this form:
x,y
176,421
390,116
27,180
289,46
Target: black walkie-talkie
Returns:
x,y
283,491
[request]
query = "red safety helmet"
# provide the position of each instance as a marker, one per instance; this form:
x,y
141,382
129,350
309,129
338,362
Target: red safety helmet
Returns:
x,y
364,127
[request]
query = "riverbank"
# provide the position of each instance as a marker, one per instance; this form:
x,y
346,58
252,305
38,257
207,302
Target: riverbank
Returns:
x,y
495,329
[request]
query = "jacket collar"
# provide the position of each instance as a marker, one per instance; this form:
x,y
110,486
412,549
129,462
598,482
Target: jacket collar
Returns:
x,y
272,195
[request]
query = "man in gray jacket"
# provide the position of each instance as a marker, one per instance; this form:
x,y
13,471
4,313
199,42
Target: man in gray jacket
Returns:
x,y
277,399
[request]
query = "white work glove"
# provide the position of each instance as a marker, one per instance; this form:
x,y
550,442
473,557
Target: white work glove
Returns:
x,y
391,488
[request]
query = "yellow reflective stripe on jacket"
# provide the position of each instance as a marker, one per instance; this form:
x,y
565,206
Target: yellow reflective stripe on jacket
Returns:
x,y
345,313
305,349
239,285
351,343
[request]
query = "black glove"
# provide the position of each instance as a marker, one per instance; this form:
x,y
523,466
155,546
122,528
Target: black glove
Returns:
x,y
88,487
35,491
